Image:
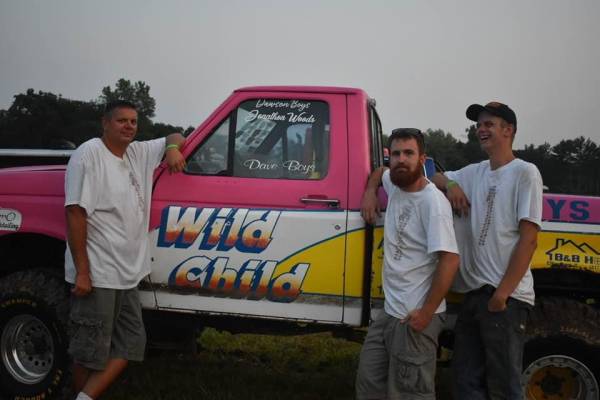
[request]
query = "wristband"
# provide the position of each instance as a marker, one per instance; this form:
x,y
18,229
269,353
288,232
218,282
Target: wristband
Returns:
x,y
451,184
172,146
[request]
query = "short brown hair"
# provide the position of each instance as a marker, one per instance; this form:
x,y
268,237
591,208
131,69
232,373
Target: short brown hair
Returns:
x,y
408,133
113,105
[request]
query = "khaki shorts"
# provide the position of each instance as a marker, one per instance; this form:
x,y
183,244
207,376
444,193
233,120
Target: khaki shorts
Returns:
x,y
397,362
106,324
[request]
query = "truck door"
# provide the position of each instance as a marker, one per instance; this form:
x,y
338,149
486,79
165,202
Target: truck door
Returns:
x,y
256,224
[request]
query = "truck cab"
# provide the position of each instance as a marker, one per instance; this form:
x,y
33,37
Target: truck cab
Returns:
x,y
265,219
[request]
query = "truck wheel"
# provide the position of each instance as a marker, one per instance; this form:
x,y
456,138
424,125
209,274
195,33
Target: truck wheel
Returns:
x,y
33,341
560,360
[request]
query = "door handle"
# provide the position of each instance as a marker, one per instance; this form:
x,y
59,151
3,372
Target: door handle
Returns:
x,y
333,203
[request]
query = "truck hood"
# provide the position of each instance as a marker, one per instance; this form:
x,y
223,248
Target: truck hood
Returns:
x,y
41,180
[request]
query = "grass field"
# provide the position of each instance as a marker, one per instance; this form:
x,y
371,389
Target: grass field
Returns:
x,y
244,366
241,366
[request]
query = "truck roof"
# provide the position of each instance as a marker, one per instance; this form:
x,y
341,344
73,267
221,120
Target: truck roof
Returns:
x,y
314,89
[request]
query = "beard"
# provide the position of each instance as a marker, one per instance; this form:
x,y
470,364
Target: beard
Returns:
x,y
404,178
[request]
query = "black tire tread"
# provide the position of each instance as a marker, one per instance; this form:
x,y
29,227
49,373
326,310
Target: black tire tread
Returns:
x,y
47,286
555,316
40,283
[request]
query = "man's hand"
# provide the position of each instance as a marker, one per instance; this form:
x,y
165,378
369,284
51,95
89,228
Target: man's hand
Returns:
x,y
517,266
369,207
173,157
175,160
497,302
83,285
458,200
419,319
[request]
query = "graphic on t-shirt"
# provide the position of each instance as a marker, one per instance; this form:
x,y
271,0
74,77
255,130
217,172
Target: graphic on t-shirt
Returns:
x,y
138,191
488,215
400,227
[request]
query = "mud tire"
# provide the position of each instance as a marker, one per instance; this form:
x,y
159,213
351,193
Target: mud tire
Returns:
x,y
33,319
560,358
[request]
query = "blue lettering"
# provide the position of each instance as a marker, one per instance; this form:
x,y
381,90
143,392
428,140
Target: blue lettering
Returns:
x,y
252,280
182,226
556,207
249,231
580,210
255,236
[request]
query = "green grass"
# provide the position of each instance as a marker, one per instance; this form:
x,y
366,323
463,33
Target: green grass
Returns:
x,y
244,366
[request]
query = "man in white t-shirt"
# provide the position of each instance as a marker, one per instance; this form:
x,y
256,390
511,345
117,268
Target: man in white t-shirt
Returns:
x,y
398,356
500,201
108,188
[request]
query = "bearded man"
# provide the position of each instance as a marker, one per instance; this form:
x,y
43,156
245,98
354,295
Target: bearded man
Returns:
x,y
398,356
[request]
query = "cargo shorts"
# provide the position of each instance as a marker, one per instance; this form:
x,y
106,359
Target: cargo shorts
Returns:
x,y
106,324
397,362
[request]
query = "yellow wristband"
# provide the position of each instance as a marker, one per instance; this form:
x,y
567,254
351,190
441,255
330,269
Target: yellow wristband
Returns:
x,y
451,184
172,146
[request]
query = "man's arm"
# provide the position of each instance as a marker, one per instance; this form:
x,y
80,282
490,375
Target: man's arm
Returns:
x,y
445,270
517,266
369,207
457,198
173,157
77,238
440,181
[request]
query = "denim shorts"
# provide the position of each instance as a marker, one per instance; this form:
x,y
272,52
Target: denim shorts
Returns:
x,y
397,362
106,324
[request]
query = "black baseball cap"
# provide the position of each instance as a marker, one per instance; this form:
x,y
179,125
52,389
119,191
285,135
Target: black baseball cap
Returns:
x,y
498,109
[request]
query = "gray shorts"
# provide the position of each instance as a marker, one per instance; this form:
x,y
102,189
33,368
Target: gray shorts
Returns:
x,y
106,324
397,362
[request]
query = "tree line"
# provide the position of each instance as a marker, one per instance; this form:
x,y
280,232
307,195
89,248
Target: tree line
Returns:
x,y
572,166
45,120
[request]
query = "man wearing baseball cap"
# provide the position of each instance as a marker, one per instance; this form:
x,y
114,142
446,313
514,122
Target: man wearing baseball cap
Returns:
x,y
499,202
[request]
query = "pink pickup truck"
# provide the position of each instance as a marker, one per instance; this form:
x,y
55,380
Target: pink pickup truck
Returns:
x,y
263,231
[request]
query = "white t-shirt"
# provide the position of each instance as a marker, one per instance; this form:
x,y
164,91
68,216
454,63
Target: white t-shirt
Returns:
x,y
417,226
500,199
116,195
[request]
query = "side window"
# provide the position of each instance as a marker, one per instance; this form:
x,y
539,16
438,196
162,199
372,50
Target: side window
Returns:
x,y
273,138
377,145
211,156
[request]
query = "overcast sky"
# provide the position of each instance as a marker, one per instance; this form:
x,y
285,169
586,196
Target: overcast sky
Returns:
x,y
423,61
